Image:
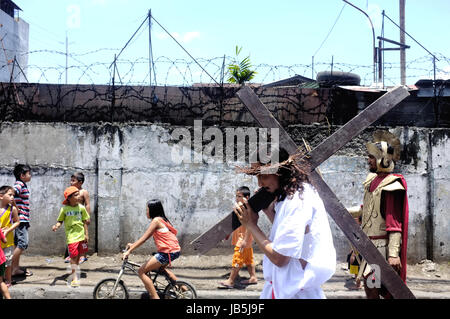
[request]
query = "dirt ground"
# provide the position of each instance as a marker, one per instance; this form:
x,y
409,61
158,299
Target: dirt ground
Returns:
x,y
203,272
425,279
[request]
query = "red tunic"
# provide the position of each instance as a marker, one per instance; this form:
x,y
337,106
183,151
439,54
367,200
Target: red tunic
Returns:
x,y
395,210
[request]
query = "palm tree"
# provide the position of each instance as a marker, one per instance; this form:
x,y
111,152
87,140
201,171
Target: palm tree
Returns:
x,y
240,71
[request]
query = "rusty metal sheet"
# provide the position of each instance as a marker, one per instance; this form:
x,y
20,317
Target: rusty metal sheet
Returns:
x,y
356,125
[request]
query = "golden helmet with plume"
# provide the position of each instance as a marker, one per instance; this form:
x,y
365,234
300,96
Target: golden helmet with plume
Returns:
x,y
386,149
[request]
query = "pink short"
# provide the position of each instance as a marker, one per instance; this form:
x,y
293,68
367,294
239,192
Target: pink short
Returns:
x,y
78,248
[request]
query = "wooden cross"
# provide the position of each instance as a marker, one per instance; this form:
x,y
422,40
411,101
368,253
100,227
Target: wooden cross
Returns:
x,y
388,277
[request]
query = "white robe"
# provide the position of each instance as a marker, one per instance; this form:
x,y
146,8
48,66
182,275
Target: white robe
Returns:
x,y
289,239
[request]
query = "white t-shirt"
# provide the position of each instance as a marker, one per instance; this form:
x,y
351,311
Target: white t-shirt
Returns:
x,y
289,239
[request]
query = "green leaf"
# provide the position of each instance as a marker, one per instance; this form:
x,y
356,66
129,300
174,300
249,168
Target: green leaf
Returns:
x,y
238,50
240,71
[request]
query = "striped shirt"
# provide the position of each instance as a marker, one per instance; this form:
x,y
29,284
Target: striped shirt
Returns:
x,y
22,199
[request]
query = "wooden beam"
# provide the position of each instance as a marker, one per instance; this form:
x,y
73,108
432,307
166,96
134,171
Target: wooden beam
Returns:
x,y
336,210
202,244
264,117
356,125
389,278
209,239
334,207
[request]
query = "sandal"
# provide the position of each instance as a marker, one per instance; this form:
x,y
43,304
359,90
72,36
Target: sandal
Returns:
x,y
225,286
25,273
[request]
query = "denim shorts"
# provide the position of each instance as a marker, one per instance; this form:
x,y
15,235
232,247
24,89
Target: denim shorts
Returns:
x,y
163,258
21,236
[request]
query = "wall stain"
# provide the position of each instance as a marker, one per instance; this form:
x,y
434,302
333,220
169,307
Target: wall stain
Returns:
x,y
411,149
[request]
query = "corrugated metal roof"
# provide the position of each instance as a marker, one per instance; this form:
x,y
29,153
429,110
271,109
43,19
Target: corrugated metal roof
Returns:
x,y
15,6
295,80
369,89
8,7
426,88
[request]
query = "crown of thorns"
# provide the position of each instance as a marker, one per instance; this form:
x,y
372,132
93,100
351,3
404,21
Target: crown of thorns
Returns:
x,y
295,162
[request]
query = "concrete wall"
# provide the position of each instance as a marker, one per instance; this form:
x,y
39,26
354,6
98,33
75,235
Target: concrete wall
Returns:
x,y
14,34
127,164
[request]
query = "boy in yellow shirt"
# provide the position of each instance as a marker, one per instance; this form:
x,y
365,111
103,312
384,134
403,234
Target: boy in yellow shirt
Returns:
x,y
243,251
75,219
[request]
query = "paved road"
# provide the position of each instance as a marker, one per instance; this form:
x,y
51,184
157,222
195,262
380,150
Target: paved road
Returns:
x,y
50,278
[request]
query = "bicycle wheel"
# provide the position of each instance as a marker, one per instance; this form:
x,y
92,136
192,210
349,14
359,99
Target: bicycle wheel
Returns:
x,y
180,290
103,290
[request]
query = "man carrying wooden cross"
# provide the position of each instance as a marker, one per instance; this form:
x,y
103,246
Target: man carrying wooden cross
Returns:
x,y
299,255
389,278
384,210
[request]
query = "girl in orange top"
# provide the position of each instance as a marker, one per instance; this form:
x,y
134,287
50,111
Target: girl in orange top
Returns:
x,y
164,235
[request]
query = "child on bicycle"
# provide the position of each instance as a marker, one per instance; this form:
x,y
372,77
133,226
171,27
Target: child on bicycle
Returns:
x,y
164,235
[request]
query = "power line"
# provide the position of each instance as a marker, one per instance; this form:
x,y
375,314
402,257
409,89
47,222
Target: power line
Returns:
x,y
329,32
53,35
150,50
410,36
185,50
117,56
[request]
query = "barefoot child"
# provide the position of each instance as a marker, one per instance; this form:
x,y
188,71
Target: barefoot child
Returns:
x,y
243,251
75,219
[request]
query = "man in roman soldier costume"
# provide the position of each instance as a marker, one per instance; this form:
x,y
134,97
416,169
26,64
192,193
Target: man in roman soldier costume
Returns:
x,y
384,211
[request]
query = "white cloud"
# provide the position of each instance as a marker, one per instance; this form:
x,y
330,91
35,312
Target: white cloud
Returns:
x,y
189,36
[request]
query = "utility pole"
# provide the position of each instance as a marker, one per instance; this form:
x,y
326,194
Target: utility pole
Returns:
x,y
374,49
402,41
150,53
67,55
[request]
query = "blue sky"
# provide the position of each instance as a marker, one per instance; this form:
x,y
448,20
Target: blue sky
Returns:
x,y
280,37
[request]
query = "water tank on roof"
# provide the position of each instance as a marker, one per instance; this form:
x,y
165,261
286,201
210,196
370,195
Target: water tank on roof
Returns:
x,y
332,78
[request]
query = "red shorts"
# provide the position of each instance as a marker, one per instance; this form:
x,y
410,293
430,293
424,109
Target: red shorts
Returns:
x,y
78,248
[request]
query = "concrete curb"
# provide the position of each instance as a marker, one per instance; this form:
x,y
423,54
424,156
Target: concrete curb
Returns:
x,y
85,292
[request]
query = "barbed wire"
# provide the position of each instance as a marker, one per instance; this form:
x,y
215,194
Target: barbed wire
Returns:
x,y
92,67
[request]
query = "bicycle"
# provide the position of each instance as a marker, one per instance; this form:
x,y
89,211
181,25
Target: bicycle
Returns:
x,y
115,288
